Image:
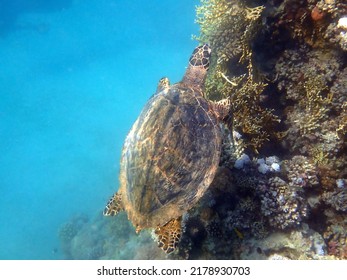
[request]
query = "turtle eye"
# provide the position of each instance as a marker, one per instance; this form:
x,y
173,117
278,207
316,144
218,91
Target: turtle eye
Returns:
x,y
207,48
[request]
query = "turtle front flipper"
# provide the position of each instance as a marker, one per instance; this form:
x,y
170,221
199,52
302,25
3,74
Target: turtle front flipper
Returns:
x,y
169,235
114,205
163,84
222,108
223,111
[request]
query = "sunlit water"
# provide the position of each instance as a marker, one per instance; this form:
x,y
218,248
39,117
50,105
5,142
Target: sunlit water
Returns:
x,y
73,78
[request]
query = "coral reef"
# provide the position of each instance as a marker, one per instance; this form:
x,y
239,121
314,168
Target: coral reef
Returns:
x,y
294,245
283,66
102,238
337,199
68,231
301,172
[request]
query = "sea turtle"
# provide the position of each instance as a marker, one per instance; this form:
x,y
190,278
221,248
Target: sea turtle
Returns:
x,y
171,154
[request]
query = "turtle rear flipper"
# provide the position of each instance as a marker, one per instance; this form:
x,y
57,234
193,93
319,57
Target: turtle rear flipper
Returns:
x,y
169,235
114,205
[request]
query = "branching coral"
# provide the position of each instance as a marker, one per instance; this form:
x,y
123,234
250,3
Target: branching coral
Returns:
x,y
337,199
339,102
250,118
229,27
305,77
314,105
214,229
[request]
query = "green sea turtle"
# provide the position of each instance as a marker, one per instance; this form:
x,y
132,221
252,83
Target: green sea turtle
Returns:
x,y
171,154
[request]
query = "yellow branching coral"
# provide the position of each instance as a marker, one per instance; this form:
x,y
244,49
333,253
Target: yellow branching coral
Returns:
x,y
226,25
230,27
255,122
314,104
319,156
341,131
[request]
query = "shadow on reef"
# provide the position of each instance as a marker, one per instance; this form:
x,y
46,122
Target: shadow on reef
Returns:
x,y
11,10
281,188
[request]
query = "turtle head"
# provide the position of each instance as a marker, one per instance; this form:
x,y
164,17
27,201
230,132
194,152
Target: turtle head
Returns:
x,y
201,57
198,66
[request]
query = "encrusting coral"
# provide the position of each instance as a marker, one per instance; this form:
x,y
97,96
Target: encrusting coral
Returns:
x,y
282,204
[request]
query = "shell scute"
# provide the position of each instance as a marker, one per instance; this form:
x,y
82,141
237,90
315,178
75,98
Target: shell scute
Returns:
x,y
169,156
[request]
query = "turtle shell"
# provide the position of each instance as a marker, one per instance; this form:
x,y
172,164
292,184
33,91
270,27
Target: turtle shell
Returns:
x,y
169,157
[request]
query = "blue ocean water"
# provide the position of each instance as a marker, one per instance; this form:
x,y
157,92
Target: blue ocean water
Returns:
x,y
74,76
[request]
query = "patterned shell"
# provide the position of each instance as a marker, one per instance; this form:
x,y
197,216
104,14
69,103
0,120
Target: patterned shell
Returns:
x,y
169,157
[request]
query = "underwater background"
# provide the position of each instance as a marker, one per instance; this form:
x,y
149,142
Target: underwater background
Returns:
x,y
74,76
